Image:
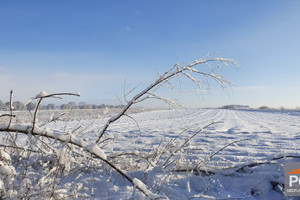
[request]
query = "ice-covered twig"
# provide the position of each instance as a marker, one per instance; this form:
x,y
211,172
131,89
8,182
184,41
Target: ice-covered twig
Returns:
x,y
10,108
42,95
69,139
16,147
186,141
216,152
196,167
139,184
166,100
165,77
239,168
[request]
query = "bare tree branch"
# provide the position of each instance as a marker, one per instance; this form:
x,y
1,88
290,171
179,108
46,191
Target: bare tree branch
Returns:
x,y
40,98
10,108
69,140
7,115
186,141
169,74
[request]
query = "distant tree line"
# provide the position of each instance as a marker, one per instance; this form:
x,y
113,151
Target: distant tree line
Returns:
x,y
235,107
245,107
17,105
281,108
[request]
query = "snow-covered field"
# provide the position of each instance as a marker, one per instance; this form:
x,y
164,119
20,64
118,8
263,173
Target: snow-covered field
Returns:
x,y
161,149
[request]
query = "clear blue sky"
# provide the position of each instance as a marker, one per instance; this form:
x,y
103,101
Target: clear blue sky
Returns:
x,y
90,46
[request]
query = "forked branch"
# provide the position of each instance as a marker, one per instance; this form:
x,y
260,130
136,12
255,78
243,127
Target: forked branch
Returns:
x,y
175,71
69,139
44,95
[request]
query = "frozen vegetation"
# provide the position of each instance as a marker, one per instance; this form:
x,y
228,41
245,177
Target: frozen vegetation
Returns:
x,y
130,153
157,151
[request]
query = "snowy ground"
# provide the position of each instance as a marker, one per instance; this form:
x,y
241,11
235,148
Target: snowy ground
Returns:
x,y
259,136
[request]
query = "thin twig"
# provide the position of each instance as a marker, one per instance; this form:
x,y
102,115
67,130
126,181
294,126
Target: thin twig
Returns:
x,y
186,141
41,97
165,77
68,140
7,115
215,153
10,108
16,147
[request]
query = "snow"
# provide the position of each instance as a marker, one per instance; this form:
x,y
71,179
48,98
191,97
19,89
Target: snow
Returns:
x,y
7,170
138,183
41,94
4,156
142,186
141,151
93,148
1,185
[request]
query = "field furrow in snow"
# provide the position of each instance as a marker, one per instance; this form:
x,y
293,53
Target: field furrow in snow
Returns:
x,y
132,142
261,134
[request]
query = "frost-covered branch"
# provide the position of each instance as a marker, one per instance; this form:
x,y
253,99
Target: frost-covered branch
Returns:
x,y
201,163
43,95
240,167
69,139
177,148
10,108
168,75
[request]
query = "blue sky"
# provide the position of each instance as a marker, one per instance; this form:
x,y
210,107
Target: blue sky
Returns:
x,y
90,46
